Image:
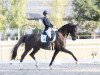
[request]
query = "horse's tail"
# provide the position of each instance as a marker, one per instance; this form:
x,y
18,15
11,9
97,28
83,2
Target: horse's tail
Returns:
x,y
14,51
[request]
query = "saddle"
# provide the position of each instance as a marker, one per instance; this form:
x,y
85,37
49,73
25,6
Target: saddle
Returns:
x,y
46,40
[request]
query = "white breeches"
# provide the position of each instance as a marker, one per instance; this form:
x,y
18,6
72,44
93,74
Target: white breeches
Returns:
x,y
49,32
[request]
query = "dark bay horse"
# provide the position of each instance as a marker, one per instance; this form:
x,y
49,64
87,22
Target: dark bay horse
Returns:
x,y
33,41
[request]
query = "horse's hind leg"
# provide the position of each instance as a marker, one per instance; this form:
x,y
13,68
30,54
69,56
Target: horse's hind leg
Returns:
x,y
33,53
23,55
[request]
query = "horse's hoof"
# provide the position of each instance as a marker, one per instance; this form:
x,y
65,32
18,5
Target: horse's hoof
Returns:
x,y
77,62
20,66
36,65
38,69
10,63
20,69
51,68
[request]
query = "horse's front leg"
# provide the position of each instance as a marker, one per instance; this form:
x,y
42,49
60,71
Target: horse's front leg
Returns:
x,y
54,55
67,51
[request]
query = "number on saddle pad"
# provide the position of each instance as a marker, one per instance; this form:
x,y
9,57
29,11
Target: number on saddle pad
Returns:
x,y
43,38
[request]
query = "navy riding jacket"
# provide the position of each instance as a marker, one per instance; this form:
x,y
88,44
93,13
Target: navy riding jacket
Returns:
x,y
47,23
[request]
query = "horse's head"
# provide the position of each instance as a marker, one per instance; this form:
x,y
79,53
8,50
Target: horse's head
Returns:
x,y
72,30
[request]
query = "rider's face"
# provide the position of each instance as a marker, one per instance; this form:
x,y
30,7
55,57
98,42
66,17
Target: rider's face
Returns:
x,y
47,15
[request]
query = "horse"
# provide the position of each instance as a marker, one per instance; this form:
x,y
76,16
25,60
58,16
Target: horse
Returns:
x,y
33,41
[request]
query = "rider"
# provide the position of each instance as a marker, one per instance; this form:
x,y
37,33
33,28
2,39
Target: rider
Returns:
x,y
47,24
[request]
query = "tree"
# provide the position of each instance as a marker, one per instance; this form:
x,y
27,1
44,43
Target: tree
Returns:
x,y
58,8
87,12
2,17
1,22
18,12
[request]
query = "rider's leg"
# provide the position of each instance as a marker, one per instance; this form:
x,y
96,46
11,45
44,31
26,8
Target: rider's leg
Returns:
x,y
49,32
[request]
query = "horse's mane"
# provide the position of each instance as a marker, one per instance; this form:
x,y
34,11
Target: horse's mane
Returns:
x,y
64,26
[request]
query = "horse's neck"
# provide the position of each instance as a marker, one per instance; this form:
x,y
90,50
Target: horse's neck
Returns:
x,y
62,39
63,33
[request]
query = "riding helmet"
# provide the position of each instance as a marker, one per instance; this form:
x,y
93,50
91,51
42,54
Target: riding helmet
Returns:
x,y
45,12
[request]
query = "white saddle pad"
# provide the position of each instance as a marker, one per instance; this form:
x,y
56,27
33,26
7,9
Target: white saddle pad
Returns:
x,y
43,38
